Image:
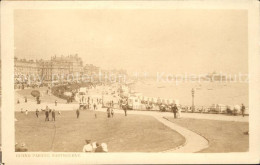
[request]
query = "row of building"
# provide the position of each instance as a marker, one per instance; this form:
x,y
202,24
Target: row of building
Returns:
x,y
58,66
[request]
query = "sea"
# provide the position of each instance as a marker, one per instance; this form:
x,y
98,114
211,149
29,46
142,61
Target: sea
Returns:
x,y
205,93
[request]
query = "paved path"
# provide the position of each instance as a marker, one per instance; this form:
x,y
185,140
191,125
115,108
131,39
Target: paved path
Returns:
x,y
193,143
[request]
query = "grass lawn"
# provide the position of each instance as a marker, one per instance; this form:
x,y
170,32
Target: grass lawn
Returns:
x,y
134,133
223,136
44,98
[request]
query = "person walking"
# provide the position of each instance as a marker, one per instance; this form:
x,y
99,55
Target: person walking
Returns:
x,y
243,108
77,112
112,112
125,109
53,115
26,112
46,115
108,112
95,106
174,110
37,113
25,99
56,102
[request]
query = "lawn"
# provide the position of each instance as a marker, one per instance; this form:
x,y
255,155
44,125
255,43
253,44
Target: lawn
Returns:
x,y
45,98
134,133
223,136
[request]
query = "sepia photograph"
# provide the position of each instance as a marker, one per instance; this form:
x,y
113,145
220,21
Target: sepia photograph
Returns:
x,y
131,80
117,81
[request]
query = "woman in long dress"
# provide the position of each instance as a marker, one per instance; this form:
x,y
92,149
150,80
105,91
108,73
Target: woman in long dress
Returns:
x,y
178,112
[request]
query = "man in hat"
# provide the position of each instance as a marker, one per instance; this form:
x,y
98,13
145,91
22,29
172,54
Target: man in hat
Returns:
x,y
53,115
112,112
47,114
77,112
37,113
174,110
108,112
243,108
99,148
88,147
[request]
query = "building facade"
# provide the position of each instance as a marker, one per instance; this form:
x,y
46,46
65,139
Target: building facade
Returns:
x,y
48,70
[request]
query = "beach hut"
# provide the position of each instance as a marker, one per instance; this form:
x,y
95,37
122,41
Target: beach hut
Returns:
x,y
177,102
134,103
159,100
164,101
171,101
154,100
221,108
145,98
150,100
236,109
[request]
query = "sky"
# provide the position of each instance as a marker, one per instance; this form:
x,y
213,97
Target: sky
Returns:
x,y
144,40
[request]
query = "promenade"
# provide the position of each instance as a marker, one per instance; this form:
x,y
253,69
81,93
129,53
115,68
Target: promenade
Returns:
x,y
32,106
193,141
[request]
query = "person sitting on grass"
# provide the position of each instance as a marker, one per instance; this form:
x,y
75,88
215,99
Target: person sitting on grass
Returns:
x,y
99,148
88,147
20,148
104,147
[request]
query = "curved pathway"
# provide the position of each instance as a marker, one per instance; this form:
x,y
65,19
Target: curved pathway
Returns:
x,y
194,142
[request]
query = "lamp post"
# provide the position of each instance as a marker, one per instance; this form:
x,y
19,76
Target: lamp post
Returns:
x,y
192,92
103,98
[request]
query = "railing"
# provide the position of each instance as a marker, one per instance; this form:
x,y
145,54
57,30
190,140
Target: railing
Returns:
x,y
221,109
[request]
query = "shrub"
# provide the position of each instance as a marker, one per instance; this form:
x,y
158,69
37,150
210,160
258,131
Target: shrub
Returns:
x,y
35,93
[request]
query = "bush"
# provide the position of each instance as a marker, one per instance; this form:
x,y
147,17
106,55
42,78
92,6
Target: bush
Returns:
x,y
35,93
